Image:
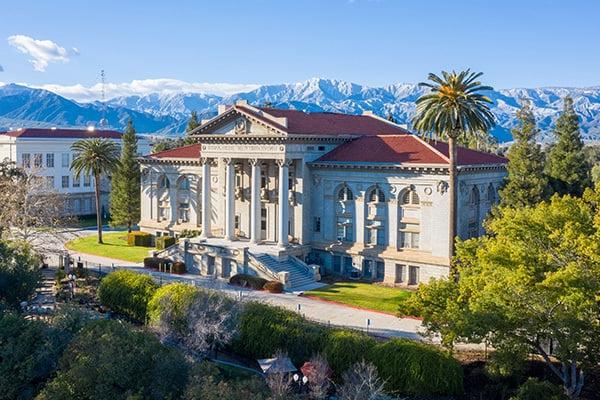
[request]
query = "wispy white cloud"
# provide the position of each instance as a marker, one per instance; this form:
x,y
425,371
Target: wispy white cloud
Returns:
x,y
144,87
42,52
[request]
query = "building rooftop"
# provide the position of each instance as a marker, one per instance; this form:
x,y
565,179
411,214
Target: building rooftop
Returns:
x,y
63,133
190,151
404,149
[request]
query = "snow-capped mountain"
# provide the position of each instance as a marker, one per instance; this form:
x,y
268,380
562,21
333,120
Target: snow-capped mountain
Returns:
x,y
168,112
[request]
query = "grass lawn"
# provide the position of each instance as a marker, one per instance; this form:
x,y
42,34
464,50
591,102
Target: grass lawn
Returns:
x,y
364,295
115,246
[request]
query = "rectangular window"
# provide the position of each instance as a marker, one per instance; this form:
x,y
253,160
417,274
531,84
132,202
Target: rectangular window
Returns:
x,y
50,182
37,160
76,181
291,179
310,148
317,224
184,212
26,160
413,275
65,182
87,205
400,273
409,235
65,160
473,229
87,179
337,264
236,222
163,211
321,148
263,219
50,160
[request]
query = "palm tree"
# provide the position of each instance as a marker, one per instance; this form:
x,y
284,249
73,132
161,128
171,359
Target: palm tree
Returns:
x,y
454,106
95,157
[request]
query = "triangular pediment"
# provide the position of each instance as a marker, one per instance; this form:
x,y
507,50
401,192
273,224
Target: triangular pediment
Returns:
x,y
243,120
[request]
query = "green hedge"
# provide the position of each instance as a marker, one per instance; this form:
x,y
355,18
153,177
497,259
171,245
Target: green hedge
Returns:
x,y
127,292
273,287
408,367
173,299
344,348
138,238
155,262
413,368
264,329
163,242
248,281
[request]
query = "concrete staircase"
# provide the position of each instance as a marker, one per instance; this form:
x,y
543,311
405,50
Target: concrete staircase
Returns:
x,y
299,276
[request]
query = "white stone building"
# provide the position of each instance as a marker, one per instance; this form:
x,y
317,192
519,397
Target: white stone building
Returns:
x,y
48,152
274,191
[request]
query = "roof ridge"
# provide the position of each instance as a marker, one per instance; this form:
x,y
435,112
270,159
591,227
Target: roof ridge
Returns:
x,y
432,148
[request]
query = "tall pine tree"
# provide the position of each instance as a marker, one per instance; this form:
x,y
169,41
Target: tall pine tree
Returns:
x,y
526,184
193,123
125,193
566,165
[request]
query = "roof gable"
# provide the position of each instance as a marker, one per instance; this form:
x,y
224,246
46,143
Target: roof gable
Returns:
x,y
191,151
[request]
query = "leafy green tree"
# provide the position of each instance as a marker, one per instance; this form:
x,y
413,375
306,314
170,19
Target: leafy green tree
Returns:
x,y
125,191
534,389
595,173
534,281
95,157
19,272
11,178
526,184
566,163
193,123
110,359
127,293
206,382
455,106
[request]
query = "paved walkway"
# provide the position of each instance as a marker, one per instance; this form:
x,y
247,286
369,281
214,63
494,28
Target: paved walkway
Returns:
x,y
327,313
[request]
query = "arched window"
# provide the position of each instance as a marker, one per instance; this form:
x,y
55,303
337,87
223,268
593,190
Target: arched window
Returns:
x,y
376,196
473,227
409,224
345,194
183,199
344,218
491,194
163,182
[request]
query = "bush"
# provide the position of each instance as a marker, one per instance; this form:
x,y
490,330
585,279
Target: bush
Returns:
x,y
179,267
189,233
163,242
534,389
59,275
413,368
155,262
207,382
248,281
139,238
127,292
19,273
111,360
264,329
344,348
172,300
273,287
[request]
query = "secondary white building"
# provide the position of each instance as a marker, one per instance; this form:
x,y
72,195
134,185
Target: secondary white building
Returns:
x,y
273,191
48,152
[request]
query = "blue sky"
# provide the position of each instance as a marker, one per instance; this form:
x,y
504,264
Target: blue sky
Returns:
x,y
522,43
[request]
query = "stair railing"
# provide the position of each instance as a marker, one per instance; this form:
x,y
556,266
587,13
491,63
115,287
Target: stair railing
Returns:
x,y
256,263
311,271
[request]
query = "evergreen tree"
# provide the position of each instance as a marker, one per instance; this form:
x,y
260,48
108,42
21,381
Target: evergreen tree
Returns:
x,y
526,184
391,118
125,194
193,123
566,165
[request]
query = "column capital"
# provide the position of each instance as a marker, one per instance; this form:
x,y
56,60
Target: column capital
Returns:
x,y
206,160
284,163
227,160
254,161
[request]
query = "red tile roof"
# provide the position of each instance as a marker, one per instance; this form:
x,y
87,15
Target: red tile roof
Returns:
x,y
325,123
404,149
190,151
63,133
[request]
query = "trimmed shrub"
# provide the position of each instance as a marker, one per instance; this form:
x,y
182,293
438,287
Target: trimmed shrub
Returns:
x,y
413,368
273,287
248,281
344,348
534,389
155,262
264,329
139,238
127,292
189,233
173,300
164,241
179,267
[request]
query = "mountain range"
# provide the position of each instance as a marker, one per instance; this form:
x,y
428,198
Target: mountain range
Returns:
x,y
167,113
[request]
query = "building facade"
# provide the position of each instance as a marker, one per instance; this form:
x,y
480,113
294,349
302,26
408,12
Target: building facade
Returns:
x,y
356,195
48,153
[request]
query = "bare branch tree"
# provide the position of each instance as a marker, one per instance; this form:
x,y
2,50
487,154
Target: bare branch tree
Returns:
x,y
318,373
280,383
361,382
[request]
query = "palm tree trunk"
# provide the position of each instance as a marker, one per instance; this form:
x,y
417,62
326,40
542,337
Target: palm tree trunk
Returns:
x,y
98,207
452,193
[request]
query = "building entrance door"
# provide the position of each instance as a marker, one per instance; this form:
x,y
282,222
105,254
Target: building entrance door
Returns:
x,y
367,271
210,265
380,270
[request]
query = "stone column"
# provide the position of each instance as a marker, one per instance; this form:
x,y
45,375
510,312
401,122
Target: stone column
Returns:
x,y
359,210
255,203
229,199
206,209
282,232
173,200
393,223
